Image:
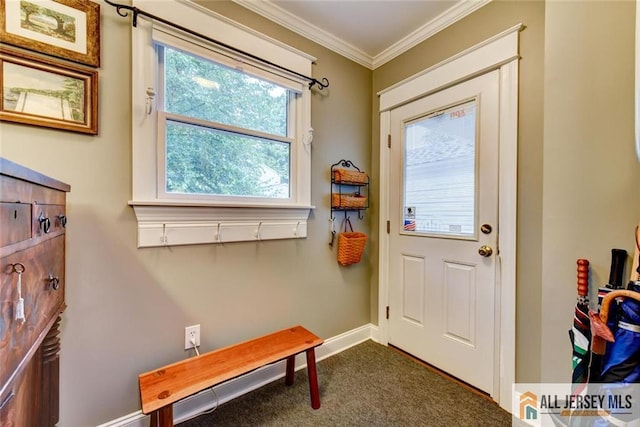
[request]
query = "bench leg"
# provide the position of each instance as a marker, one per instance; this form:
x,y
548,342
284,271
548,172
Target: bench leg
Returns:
x,y
313,378
291,369
163,417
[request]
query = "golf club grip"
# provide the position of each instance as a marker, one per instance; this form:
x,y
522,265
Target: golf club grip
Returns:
x,y
583,277
618,258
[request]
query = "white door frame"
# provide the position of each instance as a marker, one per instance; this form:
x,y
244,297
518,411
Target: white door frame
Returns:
x,y
499,52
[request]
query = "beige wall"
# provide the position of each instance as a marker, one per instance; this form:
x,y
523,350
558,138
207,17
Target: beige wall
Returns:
x,y
127,307
482,24
591,200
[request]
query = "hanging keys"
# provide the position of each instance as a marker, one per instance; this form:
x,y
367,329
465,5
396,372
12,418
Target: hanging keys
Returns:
x,y
18,268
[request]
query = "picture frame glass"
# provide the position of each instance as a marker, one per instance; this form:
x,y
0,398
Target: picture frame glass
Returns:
x,y
43,93
48,22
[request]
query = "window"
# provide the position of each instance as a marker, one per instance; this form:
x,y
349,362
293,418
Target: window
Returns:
x,y
440,181
226,132
221,143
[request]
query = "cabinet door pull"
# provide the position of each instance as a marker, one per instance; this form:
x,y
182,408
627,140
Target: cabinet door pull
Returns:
x,y
54,282
45,223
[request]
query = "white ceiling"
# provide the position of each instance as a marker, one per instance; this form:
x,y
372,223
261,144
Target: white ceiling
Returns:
x,y
370,32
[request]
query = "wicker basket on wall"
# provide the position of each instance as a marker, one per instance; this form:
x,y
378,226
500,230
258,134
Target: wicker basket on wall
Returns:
x,y
350,245
350,176
348,201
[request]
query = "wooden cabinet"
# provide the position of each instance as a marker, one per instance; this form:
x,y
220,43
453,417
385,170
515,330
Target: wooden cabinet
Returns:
x,y
32,261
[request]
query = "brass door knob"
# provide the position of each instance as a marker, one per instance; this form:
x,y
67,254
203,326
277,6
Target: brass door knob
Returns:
x,y
485,251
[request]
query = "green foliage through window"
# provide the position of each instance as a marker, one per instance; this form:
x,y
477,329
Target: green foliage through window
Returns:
x,y
203,157
208,161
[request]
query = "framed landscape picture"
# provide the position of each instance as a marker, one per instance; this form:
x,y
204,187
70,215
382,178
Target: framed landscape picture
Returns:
x,y
68,29
40,92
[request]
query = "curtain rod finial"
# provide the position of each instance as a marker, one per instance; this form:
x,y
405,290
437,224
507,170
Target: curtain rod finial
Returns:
x,y
119,10
321,84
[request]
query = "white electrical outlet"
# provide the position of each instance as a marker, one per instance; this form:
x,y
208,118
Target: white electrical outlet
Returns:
x,y
191,333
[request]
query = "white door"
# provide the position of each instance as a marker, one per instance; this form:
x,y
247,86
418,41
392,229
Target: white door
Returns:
x,y
443,195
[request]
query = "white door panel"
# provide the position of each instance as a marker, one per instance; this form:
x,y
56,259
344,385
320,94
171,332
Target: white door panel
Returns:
x,y
413,288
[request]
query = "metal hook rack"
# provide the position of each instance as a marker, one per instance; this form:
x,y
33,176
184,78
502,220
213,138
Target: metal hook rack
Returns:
x,y
349,189
124,10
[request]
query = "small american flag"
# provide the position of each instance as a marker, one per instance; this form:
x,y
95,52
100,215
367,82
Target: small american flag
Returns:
x,y
409,225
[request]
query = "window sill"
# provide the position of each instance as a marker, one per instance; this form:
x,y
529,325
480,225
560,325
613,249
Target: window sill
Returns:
x,y
162,223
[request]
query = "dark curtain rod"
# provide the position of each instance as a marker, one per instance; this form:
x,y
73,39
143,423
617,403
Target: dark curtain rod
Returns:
x,y
134,22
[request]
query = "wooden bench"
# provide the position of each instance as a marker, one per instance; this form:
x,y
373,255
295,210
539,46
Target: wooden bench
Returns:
x,y
161,388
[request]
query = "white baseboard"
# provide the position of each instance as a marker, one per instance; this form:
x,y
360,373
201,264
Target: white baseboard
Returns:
x,y
194,405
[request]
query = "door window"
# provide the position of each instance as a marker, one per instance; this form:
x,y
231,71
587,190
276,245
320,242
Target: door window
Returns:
x,y
439,182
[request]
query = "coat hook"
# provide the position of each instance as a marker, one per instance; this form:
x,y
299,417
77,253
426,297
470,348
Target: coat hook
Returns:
x,y
309,139
219,234
164,239
332,229
151,95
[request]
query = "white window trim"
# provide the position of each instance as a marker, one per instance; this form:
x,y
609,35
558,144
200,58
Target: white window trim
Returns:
x,y
163,222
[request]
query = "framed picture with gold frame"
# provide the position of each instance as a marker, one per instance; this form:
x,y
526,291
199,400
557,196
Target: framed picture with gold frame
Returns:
x,y
68,29
40,91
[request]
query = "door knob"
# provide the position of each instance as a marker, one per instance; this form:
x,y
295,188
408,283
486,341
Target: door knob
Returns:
x,y
485,251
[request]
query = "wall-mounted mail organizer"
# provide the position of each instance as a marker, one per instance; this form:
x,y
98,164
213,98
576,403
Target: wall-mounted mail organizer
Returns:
x,y
349,189
349,192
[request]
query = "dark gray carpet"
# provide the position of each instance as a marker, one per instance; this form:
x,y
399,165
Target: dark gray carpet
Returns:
x,y
366,385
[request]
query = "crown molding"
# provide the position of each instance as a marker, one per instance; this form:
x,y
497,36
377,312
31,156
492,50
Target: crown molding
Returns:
x,y
306,29
439,23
